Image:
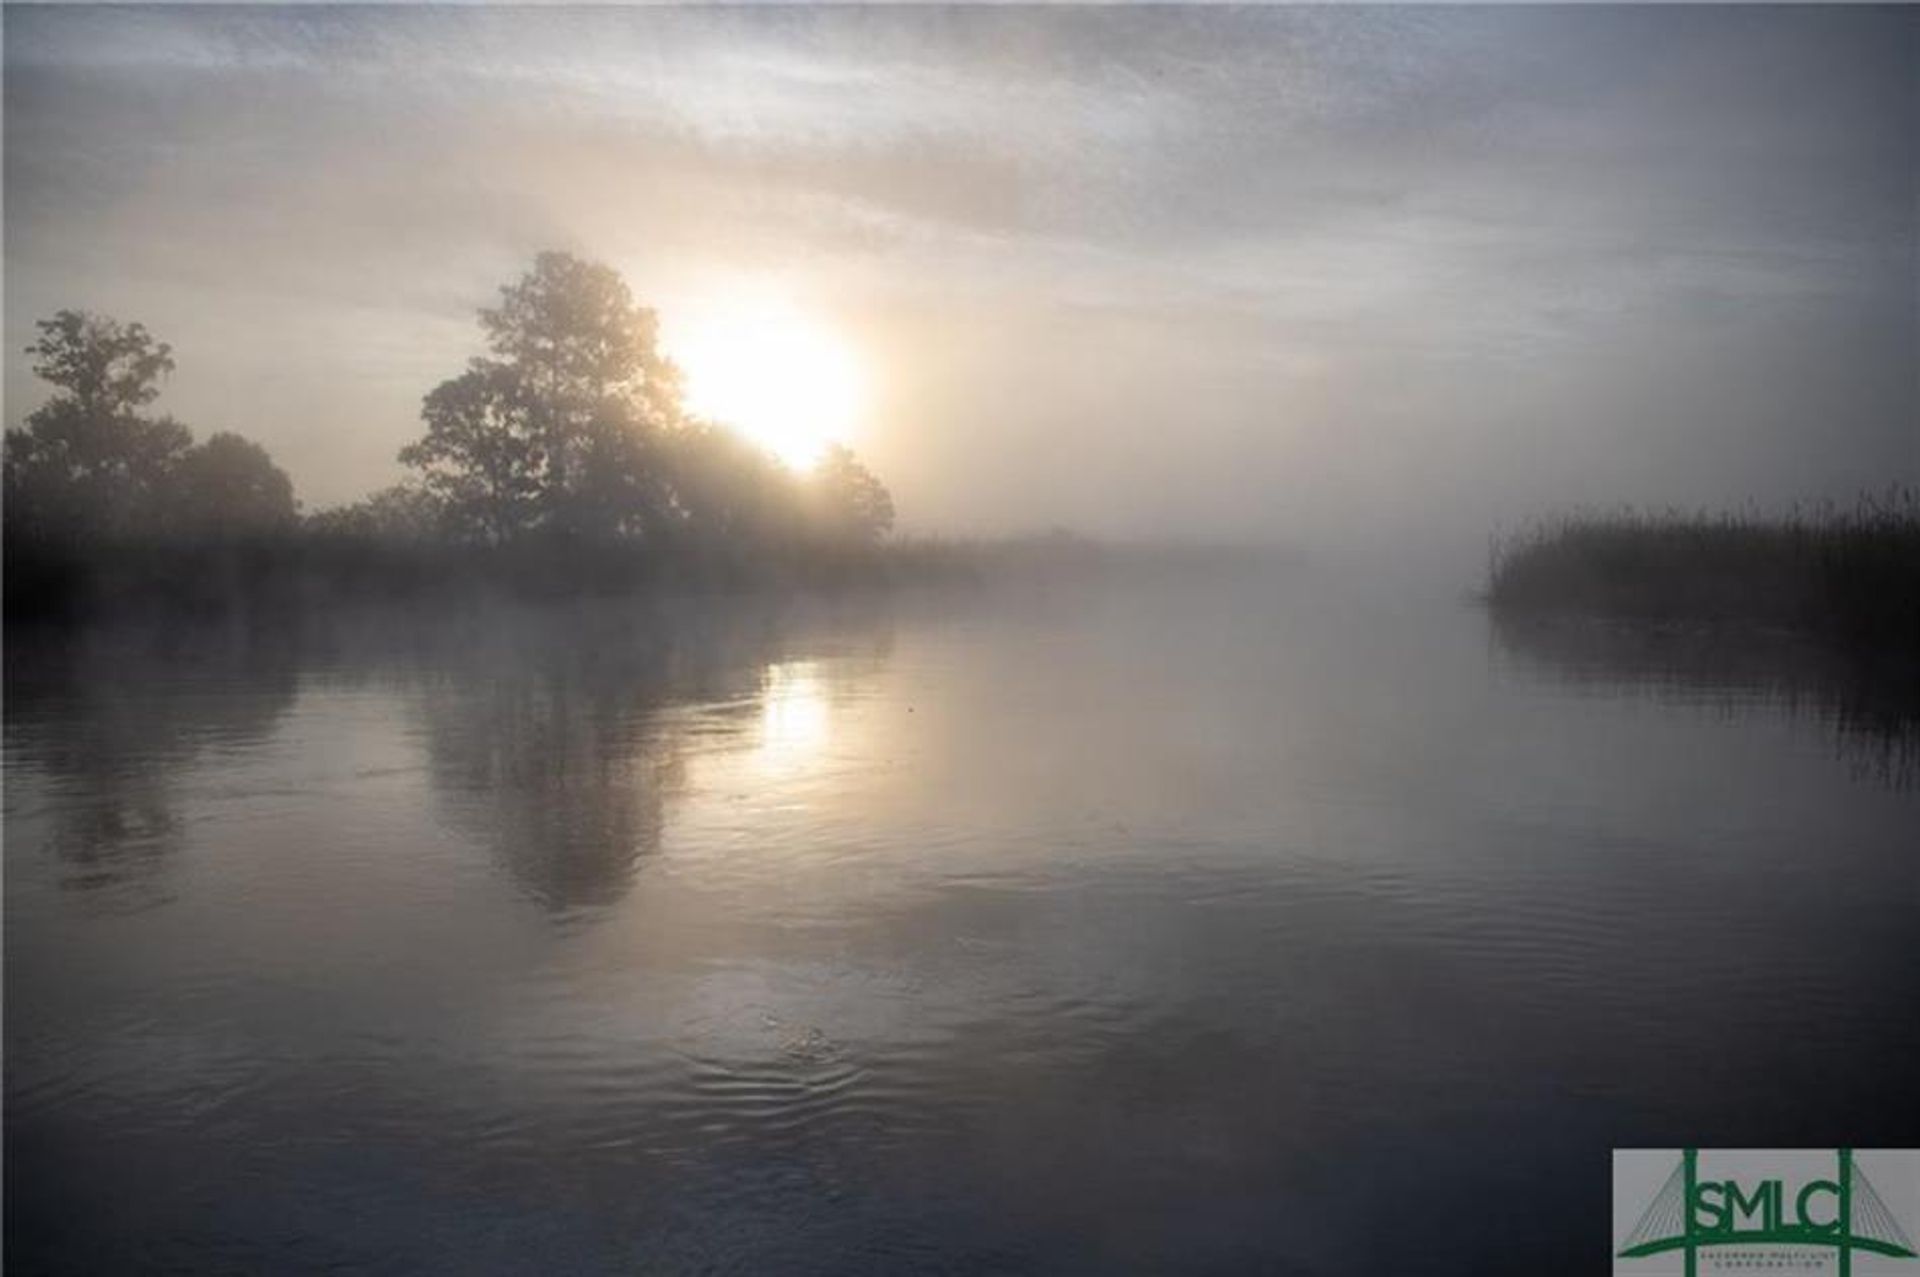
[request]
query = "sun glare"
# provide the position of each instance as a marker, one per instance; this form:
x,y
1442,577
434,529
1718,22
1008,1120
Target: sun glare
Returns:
x,y
793,715
770,372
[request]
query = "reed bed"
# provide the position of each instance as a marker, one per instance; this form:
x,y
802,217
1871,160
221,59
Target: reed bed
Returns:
x,y
1850,574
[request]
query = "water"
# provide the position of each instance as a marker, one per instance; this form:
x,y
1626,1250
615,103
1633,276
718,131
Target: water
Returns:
x,y
1261,928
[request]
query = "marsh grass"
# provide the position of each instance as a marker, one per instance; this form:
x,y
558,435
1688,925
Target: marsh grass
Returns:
x,y
1850,575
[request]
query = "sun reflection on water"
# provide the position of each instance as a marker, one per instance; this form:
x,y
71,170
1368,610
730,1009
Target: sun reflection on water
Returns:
x,y
793,714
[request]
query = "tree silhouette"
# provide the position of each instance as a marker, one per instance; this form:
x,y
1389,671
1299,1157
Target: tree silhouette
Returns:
x,y
103,501
402,513
86,463
565,439
229,486
729,492
849,502
108,368
572,425
559,428
483,455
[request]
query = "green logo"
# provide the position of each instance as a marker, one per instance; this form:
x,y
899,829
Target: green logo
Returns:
x,y
1691,1213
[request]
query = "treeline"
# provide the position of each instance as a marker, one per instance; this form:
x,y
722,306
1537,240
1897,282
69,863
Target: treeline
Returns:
x,y
1850,576
562,459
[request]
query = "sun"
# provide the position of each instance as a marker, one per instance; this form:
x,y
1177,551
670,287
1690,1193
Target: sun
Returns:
x,y
766,369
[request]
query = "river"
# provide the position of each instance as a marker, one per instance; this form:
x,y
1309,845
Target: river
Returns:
x,y
1227,926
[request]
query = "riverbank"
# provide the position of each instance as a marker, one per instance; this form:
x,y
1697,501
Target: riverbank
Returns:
x,y
306,573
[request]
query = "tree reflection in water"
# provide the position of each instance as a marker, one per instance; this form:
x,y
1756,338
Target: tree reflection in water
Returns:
x,y
558,742
112,721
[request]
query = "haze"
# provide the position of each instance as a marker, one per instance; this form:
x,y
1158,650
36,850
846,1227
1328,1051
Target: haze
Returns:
x,y
1376,279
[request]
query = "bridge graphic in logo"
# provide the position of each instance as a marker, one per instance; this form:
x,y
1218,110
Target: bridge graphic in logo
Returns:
x,y
1844,1214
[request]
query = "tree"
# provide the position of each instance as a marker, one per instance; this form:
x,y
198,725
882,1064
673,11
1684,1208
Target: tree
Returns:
x,y
483,456
559,426
400,513
571,424
86,462
108,368
848,501
88,465
726,489
229,486
573,328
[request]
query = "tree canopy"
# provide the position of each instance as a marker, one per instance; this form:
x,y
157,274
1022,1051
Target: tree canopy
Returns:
x,y
573,425
568,431
108,368
557,428
849,499
88,464
229,485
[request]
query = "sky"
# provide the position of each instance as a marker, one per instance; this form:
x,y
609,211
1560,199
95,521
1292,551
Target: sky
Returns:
x,y
1377,279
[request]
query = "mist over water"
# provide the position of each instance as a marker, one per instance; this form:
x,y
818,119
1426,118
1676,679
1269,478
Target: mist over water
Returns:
x,y
836,639
1223,926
